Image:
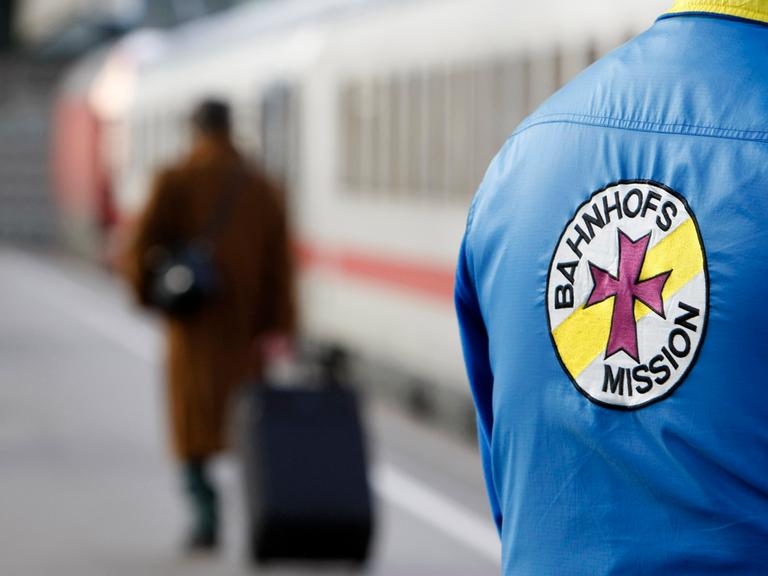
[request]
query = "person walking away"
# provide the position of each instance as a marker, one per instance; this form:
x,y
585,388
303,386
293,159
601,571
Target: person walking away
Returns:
x,y
610,296
212,195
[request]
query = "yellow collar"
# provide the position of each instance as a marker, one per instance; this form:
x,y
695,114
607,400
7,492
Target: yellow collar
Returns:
x,y
749,9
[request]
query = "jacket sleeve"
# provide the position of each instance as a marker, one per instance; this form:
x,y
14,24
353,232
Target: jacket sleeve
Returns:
x,y
151,229
279,290
474,339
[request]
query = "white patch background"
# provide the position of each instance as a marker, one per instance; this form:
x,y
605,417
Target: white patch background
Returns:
x,y
652,330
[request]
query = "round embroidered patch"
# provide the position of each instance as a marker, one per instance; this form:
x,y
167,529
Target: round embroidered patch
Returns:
x,y
628,294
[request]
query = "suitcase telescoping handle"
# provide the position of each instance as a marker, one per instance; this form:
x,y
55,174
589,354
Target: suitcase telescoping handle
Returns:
x,y
334,365
327,367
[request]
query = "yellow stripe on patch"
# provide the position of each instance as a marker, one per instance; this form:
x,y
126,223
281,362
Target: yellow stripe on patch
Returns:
x,y
583,336
749,9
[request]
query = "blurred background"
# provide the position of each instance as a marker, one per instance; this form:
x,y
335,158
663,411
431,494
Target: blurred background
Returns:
x,y
379,117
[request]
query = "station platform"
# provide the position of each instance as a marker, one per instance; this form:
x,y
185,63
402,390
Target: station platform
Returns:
x,y
87,487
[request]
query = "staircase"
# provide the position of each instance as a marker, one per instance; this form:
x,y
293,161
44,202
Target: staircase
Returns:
x,y
27,213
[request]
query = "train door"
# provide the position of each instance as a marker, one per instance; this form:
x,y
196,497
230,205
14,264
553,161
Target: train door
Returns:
x,y
280,130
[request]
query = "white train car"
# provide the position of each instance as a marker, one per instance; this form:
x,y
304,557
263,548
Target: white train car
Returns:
x,y
381,118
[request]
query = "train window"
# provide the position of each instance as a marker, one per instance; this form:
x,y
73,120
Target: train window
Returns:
x,y
183,133
280,131
514,93
424,141
389,133
154,132
169,143
356,138
250,118
165,137
165,143
369,119
435,132
342,156
468,146
255,122
487,107
145,142
149,145
557,65
139,142
573,62
399,148
480,135
159,155
133,150
383,180
459,93
149,140
414,141
592,53
452,132
496,102
158,126
543,75
351,136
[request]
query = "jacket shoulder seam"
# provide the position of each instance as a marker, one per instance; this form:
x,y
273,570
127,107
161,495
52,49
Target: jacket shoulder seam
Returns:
x,y
647,126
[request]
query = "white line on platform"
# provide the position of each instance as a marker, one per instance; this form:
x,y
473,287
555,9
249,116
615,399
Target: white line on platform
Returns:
x,y
392,484
86,306
423,502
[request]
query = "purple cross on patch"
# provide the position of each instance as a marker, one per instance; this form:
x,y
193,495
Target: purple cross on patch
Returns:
x,y
626,288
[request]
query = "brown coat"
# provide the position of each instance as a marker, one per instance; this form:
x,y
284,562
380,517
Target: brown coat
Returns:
x,y
212,353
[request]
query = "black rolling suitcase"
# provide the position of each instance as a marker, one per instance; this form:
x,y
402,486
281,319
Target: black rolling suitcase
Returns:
x,y
305,474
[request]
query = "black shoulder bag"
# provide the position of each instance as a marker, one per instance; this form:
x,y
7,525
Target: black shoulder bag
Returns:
x,y
183,279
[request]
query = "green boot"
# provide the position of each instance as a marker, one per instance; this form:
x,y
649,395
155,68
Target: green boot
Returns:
x,y
203,536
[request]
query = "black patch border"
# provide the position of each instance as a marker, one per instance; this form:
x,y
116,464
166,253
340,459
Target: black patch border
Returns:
x,y
705,323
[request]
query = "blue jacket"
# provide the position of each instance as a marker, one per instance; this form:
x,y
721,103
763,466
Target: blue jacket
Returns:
x,y
612,294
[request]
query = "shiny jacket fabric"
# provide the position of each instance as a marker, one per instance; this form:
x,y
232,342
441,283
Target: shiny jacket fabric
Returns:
x,y
578,483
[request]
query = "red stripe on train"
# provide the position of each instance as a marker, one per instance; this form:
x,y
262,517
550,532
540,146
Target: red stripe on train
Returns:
x,y
428,280
425,280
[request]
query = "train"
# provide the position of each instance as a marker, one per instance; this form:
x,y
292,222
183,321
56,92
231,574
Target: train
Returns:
x,y
378,116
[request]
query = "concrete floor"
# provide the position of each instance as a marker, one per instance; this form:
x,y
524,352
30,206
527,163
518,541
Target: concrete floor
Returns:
x,y
87,487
